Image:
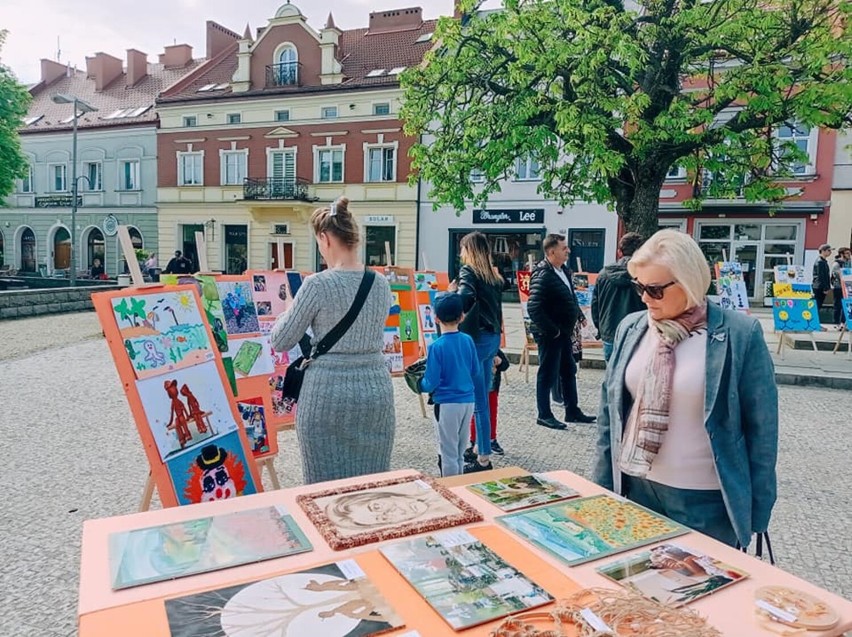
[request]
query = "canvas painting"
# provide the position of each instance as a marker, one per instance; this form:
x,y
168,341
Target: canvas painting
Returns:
x,y
334,600
238,307
466,582
847,313
387,509
672,574
585,529
253,356
795,315
159,553
162,333
427,318
213,308
392,349
271,293
215,470
408,327
425,281
521,492
253,416
790,274
185,408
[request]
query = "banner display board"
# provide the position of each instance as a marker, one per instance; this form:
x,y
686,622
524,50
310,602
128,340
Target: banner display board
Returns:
x,y
524,296
169,364
401,344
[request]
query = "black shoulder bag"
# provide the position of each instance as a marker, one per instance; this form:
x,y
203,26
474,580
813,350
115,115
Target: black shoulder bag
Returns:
x,y
295,374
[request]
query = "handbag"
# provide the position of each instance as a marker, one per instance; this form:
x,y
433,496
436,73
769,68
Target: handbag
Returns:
x,y
295,374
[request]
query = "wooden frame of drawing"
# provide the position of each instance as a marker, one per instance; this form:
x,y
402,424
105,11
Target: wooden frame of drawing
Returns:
x,y
413,504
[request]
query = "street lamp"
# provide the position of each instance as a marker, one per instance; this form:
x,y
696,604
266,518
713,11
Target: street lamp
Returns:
x,y
80,107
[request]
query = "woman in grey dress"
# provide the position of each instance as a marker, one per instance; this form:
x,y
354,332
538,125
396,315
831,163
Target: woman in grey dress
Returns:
x,y
345,420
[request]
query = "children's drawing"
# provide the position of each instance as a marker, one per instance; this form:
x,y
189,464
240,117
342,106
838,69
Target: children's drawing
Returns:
x,y
215,470
213,309
795,315
162,332
847,312
392,349
395,307
425,281
790,274
275,298
792,291
427,318
333,600
408,327
238,307
733,294
185,408
253,416
253,355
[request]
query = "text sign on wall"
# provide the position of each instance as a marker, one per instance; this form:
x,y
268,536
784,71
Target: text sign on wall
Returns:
x,y
379,219
522,215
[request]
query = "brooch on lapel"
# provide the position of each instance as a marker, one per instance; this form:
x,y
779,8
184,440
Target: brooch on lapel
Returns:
x,y
718,336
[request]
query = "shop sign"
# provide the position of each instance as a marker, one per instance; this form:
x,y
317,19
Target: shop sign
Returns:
x,y
379,219
522,215
56,201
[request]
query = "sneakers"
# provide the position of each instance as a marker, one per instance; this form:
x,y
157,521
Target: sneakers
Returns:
x,y
496,448
580,417
475,467
551,423
469,454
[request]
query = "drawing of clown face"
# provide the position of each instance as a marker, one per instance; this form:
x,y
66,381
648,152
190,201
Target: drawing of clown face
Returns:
x,y
216,480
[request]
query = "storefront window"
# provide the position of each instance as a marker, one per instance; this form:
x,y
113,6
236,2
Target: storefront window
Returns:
x,y
587,250
715,232
28,251
377,236
781,233
236,249
747,232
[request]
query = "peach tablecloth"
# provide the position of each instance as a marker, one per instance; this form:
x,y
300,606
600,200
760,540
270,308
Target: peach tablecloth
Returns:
x,y
140,611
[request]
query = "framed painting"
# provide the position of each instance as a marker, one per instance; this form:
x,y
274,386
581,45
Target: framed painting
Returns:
x,y
362,514
522,492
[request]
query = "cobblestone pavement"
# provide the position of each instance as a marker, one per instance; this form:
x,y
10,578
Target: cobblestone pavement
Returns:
x,y
72,453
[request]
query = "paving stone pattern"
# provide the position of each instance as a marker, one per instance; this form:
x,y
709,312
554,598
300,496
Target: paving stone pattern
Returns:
x,y
72,453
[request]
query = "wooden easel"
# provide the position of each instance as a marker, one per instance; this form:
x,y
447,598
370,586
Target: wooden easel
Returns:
x,y
844,330
781,340
524,366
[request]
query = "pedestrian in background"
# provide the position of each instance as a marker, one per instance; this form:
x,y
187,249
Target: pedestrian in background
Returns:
x,y
842,261
613,297
501,364
688,420
822,275
151,265
179,264
451,367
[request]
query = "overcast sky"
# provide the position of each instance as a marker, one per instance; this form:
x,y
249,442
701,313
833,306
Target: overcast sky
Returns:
x,y
113,26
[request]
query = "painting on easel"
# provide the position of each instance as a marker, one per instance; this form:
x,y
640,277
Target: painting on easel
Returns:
x,y
795,315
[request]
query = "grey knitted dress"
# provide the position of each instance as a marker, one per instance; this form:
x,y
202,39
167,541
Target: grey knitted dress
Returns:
x,y
345,419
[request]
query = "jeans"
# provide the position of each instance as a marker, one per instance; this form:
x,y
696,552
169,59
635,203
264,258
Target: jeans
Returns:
x,y
607,350
556,362
701,510
450,424
487,345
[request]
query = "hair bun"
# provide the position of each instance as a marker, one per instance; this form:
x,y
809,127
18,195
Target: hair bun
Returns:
x,y
342,204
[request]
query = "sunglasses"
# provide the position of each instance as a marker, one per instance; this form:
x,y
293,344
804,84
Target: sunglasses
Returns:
x,y
654,291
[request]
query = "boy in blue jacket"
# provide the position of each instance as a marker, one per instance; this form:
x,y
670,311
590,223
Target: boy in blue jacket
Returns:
x,y
450,369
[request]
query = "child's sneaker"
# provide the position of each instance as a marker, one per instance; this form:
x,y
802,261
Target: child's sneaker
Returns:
x,y
469,454
496,448
475,467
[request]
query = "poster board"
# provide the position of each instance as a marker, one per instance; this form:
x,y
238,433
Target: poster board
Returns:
x,y
427,285
790,274
846,282
172,373
524,297
401,346
730,286
795,315
584,287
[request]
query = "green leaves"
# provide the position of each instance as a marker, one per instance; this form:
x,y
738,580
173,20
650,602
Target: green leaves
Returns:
x,y
14,101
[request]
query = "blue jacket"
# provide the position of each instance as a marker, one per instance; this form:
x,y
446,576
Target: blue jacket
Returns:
x,y
740,414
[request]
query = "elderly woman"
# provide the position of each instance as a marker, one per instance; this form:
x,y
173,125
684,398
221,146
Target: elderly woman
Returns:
x,y
688,421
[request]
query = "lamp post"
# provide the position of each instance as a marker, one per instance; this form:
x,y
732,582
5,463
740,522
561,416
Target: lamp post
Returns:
x,y
80,107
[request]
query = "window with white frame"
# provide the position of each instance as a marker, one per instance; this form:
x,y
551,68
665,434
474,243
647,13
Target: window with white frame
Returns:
x,y
56,174
190,121
381,163
804,138
328,112
526,169
477,176
94,172
329,164
190,169
382,108
234,167
676,172
128,174
27,183
282,115
234,118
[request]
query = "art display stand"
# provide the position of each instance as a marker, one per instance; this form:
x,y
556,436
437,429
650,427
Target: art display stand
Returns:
x,y
524,297
844,331
793,307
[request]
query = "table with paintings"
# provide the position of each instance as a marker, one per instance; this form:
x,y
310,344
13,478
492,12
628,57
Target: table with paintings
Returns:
x,y
402,554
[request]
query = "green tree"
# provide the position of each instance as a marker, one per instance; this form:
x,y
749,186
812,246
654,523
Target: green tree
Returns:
x,y
14,101
608,98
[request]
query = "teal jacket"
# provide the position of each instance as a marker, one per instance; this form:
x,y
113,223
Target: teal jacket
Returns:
x,y
740,414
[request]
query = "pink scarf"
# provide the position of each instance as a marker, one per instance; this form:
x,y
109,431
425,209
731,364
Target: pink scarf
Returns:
x,y
649,418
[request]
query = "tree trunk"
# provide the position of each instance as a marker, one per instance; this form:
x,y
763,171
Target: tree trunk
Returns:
x,y
640,212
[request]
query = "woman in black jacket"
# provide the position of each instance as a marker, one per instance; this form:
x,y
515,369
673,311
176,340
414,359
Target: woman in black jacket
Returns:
x,y
481,288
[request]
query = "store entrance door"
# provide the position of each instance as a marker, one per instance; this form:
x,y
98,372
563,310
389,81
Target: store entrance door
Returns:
x,y
747,253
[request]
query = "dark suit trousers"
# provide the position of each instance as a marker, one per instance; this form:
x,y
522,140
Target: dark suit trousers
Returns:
x,y
556,361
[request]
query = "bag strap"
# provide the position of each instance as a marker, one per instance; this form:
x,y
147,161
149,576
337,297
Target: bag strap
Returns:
x,y
337,332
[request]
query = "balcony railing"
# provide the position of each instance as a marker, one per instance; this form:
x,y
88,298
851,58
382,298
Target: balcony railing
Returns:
x,y
284,74
281,189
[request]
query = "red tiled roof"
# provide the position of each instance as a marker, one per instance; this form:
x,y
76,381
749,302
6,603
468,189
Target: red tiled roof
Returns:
x,y
114,97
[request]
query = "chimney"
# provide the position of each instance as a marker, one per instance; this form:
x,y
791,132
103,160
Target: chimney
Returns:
x,y
218,39
396,20
176,56
457,12
52,71
137,67
104,69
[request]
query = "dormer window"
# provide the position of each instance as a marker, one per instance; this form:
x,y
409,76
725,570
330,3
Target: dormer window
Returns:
x,y
284,70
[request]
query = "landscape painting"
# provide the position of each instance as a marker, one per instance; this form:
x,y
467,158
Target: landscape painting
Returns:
x,y
462,579
253,356
521,492
333,600
672,574
795,315
215,470
585,529
238,307
159,553
162,332
186,407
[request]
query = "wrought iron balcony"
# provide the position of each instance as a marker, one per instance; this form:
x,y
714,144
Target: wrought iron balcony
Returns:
x,y
284,74
281,189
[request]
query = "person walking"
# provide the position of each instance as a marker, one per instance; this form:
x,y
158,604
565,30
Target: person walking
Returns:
x,y
842,260
554,311
151,265
822,275
178,264
451,366
345,422
481,288
688,419
613,297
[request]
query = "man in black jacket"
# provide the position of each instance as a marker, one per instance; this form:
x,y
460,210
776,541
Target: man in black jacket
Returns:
x,y
553,311
822,275
613,297
179,264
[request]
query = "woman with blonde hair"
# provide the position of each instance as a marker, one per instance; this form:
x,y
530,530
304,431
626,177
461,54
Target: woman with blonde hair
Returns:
x,y
688,420
481,289
346,421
